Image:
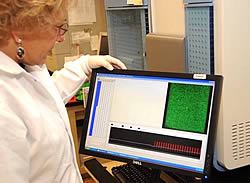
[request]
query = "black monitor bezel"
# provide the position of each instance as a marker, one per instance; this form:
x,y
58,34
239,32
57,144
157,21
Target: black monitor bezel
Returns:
x,y
212,129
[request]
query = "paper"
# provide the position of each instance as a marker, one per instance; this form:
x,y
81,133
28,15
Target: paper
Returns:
x,y
85,92
83,13
94,42
77,37
135,2
130,1
138,2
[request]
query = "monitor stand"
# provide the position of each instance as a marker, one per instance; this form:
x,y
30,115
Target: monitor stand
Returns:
x,y
155,176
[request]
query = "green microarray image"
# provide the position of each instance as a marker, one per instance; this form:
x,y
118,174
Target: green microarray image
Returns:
x,y
187,107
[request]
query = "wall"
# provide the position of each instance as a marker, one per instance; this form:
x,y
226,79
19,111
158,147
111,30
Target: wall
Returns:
x,y
64,49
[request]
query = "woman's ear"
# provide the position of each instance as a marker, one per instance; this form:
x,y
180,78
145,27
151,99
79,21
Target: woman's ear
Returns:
x,y
14,36
20,50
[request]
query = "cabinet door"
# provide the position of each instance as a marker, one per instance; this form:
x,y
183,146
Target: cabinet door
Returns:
x,y
127,30
199,39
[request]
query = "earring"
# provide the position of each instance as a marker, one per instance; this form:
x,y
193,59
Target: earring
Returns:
x,y
20,50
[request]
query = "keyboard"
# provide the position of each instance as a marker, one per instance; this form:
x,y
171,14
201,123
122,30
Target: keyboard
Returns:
x,y
131,173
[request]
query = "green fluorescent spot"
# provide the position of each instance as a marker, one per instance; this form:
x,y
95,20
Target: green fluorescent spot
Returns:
x,y
187,107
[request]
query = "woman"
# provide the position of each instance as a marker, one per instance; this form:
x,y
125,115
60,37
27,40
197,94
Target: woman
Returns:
x,y
36,143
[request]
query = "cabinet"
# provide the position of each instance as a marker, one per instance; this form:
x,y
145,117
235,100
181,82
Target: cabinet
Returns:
x,y
199,37
127,26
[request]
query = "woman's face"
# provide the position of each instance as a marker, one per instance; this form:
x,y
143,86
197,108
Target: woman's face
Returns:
x,y
39,43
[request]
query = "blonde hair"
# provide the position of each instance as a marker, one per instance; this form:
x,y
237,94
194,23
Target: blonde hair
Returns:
x,y
28,14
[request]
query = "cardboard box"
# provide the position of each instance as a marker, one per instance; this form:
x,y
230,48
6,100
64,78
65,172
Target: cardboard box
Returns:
x,y
165,53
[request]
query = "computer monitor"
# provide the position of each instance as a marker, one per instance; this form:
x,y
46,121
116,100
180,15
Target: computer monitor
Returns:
x,y
166,121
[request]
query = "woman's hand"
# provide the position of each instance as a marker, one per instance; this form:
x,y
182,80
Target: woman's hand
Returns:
x,y
105,61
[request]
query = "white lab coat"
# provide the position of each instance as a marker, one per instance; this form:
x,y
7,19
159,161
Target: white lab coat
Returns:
x,y
36,144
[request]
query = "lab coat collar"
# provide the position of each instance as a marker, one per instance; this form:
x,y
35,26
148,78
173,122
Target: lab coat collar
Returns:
x,y
8,65
35,68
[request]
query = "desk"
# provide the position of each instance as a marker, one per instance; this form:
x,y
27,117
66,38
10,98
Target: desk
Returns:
x,y
240,175
76,112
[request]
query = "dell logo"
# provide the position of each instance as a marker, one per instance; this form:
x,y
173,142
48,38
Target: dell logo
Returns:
x,y
136,162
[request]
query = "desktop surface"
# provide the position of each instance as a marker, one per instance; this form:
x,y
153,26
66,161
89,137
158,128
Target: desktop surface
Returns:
x,y
239,175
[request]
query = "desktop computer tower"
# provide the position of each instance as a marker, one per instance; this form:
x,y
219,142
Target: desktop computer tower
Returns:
x,y
217,42
232,60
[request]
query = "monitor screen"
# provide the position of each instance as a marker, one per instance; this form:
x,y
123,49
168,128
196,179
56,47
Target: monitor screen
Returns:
x,y
161,120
